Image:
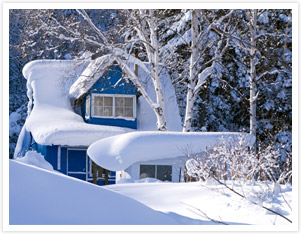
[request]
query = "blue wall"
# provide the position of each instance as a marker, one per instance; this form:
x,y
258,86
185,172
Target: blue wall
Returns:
x,y
104,86
109,79
113,122
75,159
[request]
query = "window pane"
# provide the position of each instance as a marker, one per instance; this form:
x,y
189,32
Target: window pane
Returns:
x,y
98,110
108,101
119,111
147,171
128,102
128,112
98,101
164,172
107,111
119,101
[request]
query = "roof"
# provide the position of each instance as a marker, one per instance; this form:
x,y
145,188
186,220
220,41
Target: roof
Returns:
x,y
90,75
53,83
119,152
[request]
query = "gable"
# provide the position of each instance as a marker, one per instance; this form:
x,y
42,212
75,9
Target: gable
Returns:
x,y
112,82
111,100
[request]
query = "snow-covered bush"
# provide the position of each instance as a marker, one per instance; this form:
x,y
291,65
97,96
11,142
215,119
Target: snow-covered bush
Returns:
x,y
229,159
233,160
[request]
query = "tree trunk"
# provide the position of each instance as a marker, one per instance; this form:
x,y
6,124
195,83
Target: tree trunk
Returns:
x,y
161,121
253,23
189,109
190,98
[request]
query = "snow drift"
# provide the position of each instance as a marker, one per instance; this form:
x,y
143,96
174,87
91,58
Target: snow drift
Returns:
x,y
119,152
41,197
36,159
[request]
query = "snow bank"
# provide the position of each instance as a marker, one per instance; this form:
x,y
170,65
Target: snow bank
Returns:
x,y
195,203
119,152
145,180
35,159
41,197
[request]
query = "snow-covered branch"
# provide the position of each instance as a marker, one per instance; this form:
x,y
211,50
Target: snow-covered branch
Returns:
x,y
88,19
274,71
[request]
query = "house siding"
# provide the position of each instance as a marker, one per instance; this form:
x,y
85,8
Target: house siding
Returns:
x,y
72,158
113,122
109,79
63,164
106,85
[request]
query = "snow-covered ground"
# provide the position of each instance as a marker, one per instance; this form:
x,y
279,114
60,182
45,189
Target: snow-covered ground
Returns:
x,y
40,196
198,202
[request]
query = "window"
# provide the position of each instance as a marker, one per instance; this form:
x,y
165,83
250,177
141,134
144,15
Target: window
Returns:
x,y
164,172
114,106
103,106
124,106
160,172
147,171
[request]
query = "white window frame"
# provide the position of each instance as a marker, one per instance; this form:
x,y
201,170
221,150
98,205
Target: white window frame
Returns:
x,y
93,95
88,102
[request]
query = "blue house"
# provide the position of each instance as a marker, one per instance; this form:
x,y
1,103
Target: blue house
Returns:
x,y
73,104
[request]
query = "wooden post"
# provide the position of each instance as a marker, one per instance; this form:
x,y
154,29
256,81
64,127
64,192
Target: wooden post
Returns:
x,y
94,172
106,177
100,171
180,174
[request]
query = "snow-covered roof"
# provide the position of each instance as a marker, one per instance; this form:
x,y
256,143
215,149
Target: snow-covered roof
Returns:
x,y
119,152
52,83
88,77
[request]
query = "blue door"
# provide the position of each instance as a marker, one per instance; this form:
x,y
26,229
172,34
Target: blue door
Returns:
x,y
77,163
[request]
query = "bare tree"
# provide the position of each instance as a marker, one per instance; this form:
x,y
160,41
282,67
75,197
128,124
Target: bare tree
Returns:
x,y
143,31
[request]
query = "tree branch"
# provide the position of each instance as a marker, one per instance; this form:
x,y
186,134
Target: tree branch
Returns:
x,y
239,194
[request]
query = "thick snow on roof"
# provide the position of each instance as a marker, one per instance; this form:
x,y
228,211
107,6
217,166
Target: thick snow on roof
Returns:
x,y
119,152
52,121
